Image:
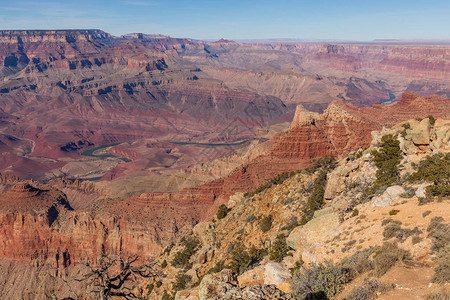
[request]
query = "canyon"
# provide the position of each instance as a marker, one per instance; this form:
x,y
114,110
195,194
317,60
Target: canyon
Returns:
x,y
124,144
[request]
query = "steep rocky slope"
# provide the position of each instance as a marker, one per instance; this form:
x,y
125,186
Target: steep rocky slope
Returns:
x,y
350,229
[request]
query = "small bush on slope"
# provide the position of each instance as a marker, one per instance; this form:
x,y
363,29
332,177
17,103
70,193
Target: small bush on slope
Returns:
x,y
222,212
242,259
368,290
387,257
266,223
181,282
386,159
279,249
182,257
320,281
439,233
442,270
435,169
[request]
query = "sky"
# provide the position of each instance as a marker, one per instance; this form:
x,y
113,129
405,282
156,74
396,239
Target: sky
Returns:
x,y
363,20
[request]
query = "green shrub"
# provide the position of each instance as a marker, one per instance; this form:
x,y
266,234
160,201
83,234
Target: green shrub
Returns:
x,y
320,281
217,268
182,257
239,259
355,212
368,290
266,223
392,230
164,264
166,296
389,220
168,248
158,283
327,162
360,261
150,287
222,211
426,213
432,120
243,259
435,169
405,126
387,257
441,295
181,282
409,192
315,199
416,239
442,270
279,248
279,179
393,212
386,159
439,233
298,264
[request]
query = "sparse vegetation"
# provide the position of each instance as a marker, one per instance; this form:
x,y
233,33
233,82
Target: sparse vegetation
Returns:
x,y
386,159
441,295
298,264
393,212
266,223
368,290
432,120
279,248
355,212
360,261
405,126
393,229
439,233
222,211
442,270
315,199
435,169
243,259
217,268
416,239
167,296
327,162
181,259
426,213
163,264
181,281
320,281
388,255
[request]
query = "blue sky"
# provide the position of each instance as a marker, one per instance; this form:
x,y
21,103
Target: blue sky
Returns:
x,y
238,19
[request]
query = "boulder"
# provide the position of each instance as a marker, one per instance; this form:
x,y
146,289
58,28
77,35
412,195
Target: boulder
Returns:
x,y
441,136
421,192
391,194
278,275
193,274
420,133
324,222
252,277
